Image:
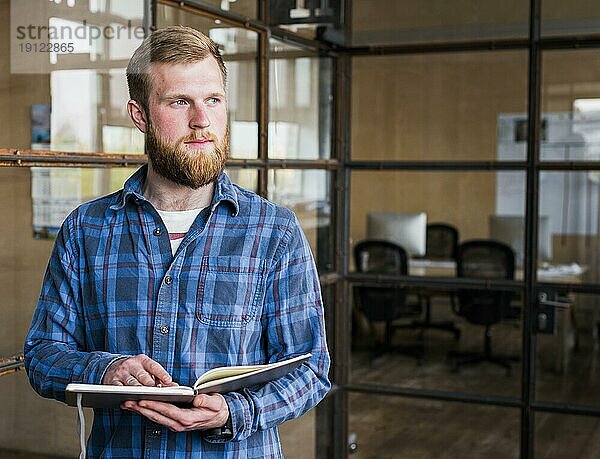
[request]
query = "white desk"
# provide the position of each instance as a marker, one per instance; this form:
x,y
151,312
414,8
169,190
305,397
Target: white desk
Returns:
x,y
563,273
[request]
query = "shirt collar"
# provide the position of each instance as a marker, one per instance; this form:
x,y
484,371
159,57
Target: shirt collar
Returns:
x,y
133,186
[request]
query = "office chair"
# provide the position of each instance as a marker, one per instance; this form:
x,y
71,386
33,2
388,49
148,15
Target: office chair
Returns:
x,y
442,244
442,241
381,303
484,259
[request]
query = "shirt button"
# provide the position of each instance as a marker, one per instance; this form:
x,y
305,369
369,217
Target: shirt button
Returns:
x,y
156,432
157,232
168,280
164,329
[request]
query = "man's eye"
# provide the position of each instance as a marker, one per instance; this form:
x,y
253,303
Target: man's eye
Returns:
x,y
213,100
179,102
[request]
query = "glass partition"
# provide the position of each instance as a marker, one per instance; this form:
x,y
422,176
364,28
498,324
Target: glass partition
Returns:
x,y
386,427
566,350
558,436
300,103
24,254
422,337
466,200
247,8
298,436
390,22
56,191
239,49
307,193
577,17
246,178
452,106
567,355
90,44
569,209
570,106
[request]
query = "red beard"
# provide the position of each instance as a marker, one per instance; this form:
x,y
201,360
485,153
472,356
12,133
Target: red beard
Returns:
x,y
175,163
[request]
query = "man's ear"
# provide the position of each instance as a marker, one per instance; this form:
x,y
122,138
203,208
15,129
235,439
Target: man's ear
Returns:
x,y
137,115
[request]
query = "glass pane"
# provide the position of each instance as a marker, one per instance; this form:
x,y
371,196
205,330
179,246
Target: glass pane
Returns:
x,y
239,49
569,201
300,103
559,436
569,205
55,192
307,193
328,293
305,19
246,178
93,41
23,259
390,22
577,17
466,200
567,355
298,437
245,8
399,427
571,106
437,106
566,351
421,336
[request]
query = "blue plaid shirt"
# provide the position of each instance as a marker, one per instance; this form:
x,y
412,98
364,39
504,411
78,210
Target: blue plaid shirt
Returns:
x,y
241,289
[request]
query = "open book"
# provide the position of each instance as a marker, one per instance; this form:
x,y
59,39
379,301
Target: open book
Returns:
x,y
221,379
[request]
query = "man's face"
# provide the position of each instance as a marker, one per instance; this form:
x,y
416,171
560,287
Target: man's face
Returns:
x,y
187,135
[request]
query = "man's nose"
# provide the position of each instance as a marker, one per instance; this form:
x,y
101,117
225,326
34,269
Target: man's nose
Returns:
x,y
199,118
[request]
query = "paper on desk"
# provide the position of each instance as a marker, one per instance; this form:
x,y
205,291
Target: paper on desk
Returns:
x,y
571,269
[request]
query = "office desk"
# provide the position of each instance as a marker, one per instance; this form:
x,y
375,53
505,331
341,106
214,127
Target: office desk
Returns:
x,y
558,346
564,274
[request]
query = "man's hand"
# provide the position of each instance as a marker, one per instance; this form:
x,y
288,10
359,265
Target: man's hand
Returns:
x,y
207,412
140,370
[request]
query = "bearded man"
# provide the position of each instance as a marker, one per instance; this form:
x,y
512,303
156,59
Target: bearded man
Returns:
x,y
179,272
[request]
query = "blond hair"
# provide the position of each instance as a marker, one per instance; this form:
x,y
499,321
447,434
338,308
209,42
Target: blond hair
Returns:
x,y
170,45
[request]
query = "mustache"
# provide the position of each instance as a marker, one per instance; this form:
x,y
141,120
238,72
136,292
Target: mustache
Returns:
x,y
197,135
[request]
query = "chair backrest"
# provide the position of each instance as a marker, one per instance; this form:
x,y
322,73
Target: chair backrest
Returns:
x,y
442,241
380,257
484,259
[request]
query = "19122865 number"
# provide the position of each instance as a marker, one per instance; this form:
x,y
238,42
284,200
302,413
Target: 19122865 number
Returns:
x,y
46,47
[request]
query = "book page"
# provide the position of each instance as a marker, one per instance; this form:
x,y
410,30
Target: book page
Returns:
x,y
226,372
142,390
108,396
232,372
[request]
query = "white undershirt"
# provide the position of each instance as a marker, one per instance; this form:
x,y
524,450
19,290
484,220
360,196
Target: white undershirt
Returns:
x,y
178,224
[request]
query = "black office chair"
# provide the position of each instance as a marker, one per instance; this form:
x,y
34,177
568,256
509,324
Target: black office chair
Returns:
x,y
442,244
484,259
442,241
384,303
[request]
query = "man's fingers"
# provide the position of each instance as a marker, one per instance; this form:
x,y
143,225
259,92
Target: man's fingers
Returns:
x,y
210,402
145,379
156,369
139,370
180,419
155,416
133,381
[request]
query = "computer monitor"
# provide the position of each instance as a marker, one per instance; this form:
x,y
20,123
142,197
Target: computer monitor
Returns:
x,y
510,229
408,230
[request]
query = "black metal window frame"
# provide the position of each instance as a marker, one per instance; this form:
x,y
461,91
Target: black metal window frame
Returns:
x,y
532,166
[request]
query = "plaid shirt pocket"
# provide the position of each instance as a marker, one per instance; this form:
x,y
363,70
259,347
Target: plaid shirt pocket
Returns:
x,y
229,290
